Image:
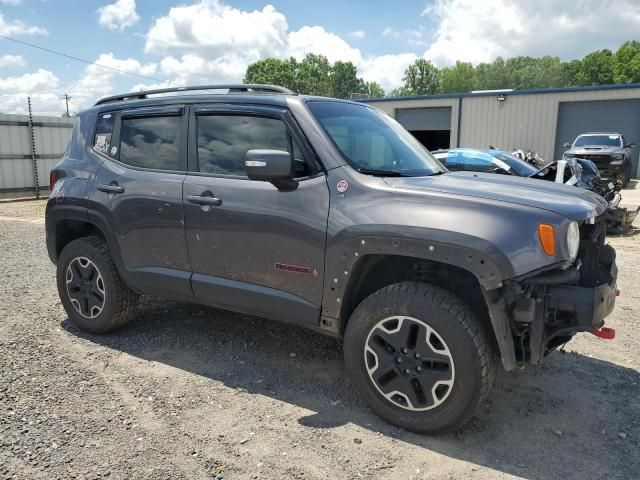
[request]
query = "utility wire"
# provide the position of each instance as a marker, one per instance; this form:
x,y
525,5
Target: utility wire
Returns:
x,y
85,61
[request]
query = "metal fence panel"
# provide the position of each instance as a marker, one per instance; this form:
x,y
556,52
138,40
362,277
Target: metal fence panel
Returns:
x,y
51,135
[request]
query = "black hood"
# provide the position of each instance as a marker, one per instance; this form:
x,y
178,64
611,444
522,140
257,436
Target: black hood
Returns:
x,y
569,201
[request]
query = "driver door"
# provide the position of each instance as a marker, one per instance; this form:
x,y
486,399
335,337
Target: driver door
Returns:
x,y
254,248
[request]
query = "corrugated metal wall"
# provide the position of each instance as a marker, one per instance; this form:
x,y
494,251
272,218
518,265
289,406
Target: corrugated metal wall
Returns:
x,y
527,121
523,121
16,167
621,116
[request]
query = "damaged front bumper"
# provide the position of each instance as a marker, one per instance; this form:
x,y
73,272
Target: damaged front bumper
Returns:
x,y
549,308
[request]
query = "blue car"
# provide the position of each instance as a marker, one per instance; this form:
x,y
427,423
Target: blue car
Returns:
x,y
485,160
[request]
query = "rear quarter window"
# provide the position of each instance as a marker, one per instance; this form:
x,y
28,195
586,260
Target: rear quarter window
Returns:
x,y
104,130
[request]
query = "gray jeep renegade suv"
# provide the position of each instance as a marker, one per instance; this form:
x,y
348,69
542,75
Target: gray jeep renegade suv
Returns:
x,y
327,214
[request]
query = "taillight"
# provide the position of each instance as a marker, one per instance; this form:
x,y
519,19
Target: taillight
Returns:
x,y
53,178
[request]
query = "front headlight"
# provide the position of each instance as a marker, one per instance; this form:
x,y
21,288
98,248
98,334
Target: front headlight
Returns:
x,y
618,156
573,240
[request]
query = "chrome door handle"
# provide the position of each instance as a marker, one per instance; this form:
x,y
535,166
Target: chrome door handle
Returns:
x,y
200,200
111,188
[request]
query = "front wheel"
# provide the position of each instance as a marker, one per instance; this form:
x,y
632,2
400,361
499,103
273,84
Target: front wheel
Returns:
x,y
419,357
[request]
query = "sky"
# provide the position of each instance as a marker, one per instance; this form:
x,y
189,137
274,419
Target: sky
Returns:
x,y
195,42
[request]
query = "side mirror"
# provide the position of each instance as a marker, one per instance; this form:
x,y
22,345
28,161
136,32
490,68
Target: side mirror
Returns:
x,y
630,145
567,145
268,165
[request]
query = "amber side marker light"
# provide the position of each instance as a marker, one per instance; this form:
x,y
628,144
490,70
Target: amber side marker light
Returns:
x,y
546,235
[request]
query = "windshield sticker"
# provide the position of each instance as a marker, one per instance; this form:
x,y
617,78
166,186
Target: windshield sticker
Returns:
x,y
342,186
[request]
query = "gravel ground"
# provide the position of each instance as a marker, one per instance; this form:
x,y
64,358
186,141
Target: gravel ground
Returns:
x,y
191,392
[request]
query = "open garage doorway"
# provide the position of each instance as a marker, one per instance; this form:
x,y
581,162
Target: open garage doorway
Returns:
x,y
431,126
433,139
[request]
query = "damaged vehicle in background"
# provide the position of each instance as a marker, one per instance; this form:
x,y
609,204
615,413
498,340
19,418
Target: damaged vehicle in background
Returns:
x,y
610,152
578,172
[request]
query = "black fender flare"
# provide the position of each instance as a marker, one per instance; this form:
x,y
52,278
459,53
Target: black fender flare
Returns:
x,y
477,256
82,214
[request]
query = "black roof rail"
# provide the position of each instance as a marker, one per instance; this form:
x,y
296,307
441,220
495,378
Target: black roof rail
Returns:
x,y
233,88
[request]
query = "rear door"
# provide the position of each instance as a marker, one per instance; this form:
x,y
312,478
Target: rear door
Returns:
x,y
138,191
254,248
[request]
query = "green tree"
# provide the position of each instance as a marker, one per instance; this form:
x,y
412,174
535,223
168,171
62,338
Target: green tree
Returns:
x,y
372,89
344,80
596,68
421,78
314,76
399,92
275,72
626,64
492,76
570,71
457,79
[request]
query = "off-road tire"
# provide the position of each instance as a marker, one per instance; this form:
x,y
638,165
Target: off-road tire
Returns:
x,y
457,326
120,302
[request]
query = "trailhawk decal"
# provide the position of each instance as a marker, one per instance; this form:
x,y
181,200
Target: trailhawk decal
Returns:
x,y
300,269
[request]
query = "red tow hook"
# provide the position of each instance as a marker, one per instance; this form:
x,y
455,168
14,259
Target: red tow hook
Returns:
x,y
604,332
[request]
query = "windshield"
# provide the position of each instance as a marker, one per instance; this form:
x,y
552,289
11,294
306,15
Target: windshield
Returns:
x,y
521,167
374,143
599,140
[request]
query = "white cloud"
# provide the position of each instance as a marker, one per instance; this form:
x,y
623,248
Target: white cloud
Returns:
x,y
40,85
318,40
119,15
358,34
11,2
387,70
390,32
97,82
480,31
11,61
214,29
210,42
193,69
29,82
16,27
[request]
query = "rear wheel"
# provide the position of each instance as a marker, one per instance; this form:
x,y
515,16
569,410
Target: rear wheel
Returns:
x,y
419,357
91,291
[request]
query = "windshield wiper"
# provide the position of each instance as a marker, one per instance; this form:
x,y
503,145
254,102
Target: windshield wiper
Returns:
x,y
382,173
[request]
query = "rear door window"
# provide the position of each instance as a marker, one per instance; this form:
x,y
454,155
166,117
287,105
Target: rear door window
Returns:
x,y
151,142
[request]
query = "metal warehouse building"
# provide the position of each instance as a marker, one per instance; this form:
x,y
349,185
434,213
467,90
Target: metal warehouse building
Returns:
x,y
538,120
